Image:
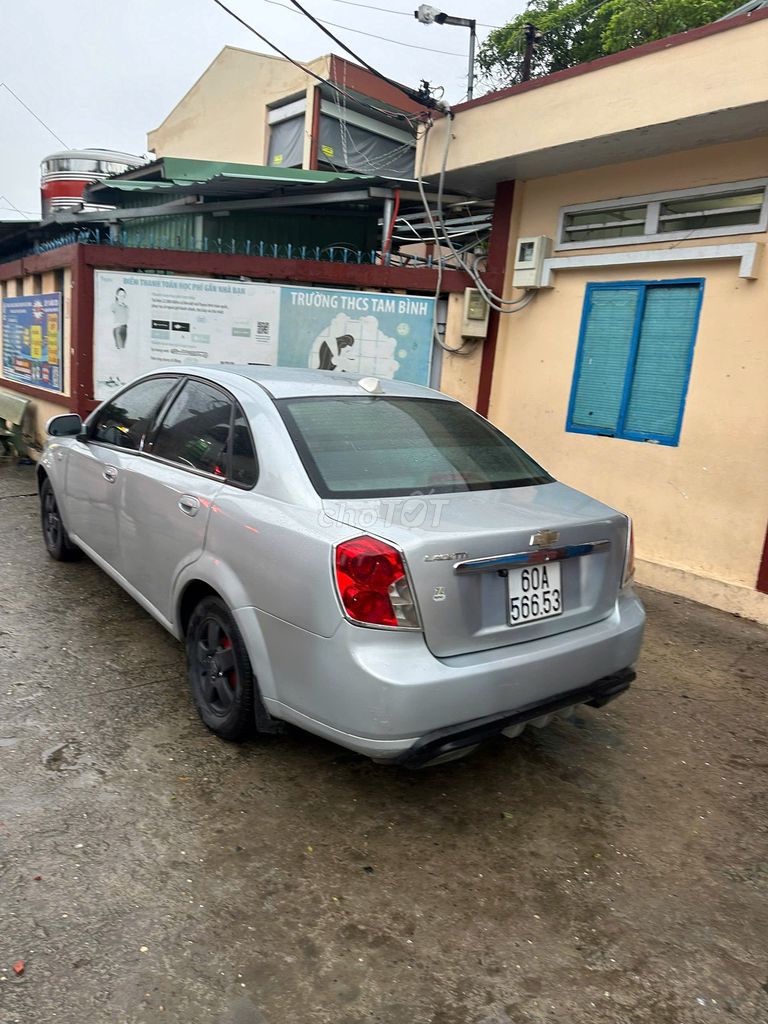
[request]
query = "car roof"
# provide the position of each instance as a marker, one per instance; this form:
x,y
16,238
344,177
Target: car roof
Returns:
x,y
287,382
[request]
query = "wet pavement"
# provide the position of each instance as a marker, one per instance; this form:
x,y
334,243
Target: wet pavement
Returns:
x,y
610,869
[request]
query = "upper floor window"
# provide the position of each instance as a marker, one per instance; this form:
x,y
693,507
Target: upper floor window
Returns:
x,y
728,209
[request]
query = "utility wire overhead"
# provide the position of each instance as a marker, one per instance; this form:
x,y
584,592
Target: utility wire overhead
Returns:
x,y
372,35
410,92
387,10
11,206
4,85
308,71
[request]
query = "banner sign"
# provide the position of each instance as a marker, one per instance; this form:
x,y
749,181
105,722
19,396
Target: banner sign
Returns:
x,y
145,321
32,342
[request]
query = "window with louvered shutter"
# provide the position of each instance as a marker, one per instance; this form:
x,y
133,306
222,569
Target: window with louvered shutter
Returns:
x,y
634,360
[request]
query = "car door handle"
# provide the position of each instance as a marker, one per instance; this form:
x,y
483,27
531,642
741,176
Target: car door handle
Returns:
x,y
189,504
110,474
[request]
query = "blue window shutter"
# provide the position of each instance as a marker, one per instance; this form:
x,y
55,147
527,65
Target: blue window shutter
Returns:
x,y
663,359
606,341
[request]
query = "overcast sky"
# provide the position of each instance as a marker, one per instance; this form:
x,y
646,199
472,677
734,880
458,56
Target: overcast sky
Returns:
x,y
103,73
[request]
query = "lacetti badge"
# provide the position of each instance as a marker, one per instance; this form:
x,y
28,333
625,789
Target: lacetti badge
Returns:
x,y
452,556
544,538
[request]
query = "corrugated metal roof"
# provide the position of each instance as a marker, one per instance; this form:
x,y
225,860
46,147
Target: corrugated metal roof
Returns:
x,y
172,168
261,183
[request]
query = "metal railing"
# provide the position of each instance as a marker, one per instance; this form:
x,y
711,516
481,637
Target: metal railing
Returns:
x,y
339,253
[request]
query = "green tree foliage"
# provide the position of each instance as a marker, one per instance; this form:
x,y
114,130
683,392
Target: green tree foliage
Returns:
x,y
576,31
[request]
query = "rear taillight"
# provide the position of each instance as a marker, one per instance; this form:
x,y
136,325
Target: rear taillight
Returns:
x,y
629,558
373,585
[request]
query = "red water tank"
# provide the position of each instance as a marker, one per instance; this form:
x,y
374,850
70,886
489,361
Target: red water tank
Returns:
x,y
64,176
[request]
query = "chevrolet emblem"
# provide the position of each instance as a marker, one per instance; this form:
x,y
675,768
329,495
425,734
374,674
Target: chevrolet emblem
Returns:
x,y
543,538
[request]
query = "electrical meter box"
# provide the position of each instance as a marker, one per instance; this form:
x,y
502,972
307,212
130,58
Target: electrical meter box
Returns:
x,y
529,261
476,310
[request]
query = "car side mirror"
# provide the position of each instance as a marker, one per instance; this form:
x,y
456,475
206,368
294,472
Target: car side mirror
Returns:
x,y
67,425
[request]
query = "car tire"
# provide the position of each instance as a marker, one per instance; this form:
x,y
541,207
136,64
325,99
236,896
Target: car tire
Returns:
x,y
57,542
221,679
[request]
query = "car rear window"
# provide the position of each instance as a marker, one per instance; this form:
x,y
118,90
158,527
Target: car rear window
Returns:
x,y
356,447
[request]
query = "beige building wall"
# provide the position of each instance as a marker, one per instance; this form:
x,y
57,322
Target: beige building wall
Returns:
x,y
208,124
460,373
663,100
42,407
701,508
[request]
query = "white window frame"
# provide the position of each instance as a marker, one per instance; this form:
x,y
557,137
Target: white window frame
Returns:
x,y
653,202
332,109
285,111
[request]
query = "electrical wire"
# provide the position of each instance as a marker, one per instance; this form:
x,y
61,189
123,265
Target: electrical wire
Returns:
x,y
4,85
387,10
496,302
409,92
11,206
325,81
461,350
372,35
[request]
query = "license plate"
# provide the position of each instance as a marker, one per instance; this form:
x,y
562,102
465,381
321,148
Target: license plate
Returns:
x,y
534,593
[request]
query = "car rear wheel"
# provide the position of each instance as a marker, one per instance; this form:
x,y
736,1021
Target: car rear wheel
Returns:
x,y
220,675
57,542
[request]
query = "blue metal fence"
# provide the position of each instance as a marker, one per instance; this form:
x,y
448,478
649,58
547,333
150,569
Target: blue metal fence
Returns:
x,y
274,250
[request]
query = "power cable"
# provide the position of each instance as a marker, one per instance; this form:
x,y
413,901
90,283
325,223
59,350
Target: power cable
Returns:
x,y
461,350
387,10
319,78
4,85
418,97
11,206
496,302
372,35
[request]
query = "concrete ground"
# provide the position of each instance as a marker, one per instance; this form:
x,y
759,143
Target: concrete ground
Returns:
x,y
614,869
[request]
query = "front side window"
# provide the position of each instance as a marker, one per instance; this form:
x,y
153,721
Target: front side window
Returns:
x,y
359,447
634,360
195,430
125,420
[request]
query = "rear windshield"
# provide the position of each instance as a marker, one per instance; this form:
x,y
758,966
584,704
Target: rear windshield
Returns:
x,y
358,447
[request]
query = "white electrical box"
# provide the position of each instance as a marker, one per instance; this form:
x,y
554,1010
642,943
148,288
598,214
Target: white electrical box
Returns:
x,y
529,261
474,323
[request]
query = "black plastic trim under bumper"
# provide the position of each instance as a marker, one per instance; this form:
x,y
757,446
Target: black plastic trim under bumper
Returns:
x,y
455,737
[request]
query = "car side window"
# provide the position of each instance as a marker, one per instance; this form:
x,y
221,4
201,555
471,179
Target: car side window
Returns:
x,y
195,429
243,464
124,421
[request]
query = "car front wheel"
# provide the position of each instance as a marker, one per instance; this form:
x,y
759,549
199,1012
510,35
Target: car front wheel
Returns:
x,y
57,542
220,675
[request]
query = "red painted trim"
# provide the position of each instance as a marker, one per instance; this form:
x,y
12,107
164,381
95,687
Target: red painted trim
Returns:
x,y
497,261
617,58
762,573
338,275
351,76
81,333
33,392
10,270
315,136
56,259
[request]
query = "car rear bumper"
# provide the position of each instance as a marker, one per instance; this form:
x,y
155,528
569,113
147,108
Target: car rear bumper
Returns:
x,y
442,743
385,694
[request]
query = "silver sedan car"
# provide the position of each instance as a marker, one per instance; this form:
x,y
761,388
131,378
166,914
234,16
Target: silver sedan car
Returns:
x,y
369,560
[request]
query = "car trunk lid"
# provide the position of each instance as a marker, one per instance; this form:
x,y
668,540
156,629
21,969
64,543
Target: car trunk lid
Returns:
x,y
457,549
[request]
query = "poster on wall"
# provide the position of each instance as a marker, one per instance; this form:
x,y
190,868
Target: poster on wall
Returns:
x,y
145,321
371,333
32,344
